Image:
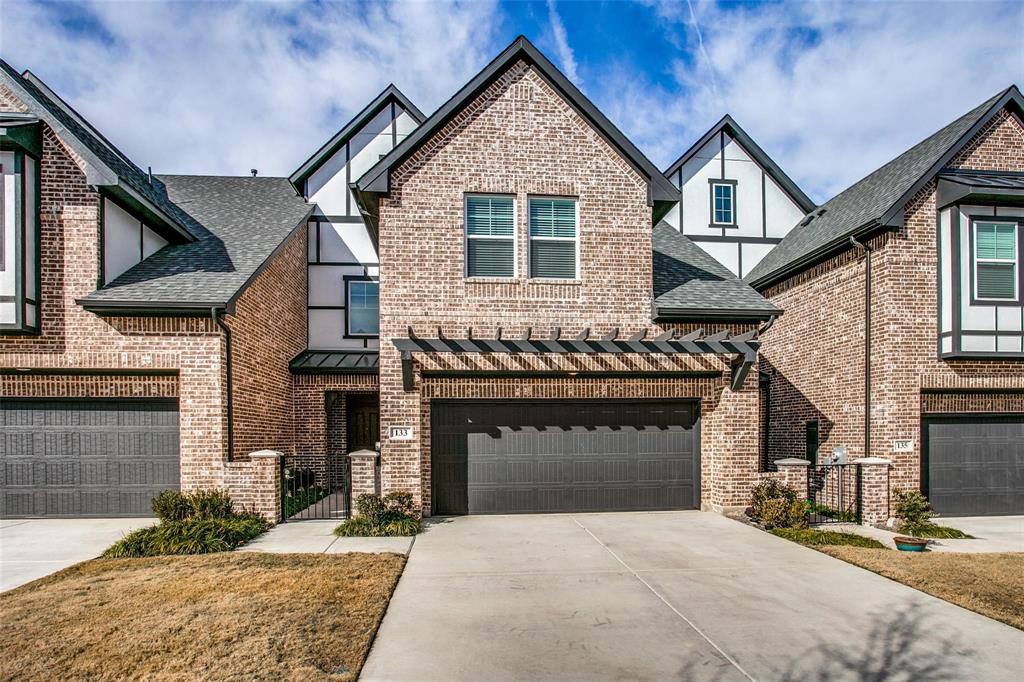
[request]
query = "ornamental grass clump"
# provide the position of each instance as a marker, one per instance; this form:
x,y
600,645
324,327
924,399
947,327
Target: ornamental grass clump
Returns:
x,y
390,516
197,522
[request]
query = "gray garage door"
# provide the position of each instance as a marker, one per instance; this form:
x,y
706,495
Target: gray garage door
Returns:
x,y
522,456
975,466
86,458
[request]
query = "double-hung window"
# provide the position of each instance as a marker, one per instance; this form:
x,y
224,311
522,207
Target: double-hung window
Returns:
x,y
723,203
363,307
554,238
996,263
490,236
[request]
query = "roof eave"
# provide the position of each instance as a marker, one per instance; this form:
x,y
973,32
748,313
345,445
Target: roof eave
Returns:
x,y
683,314
819,255
329,148
114,308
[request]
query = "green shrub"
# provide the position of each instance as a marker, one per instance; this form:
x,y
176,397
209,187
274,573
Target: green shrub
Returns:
x,y
933,530
171,505
829,512
391,516
913,511
813,537
189,536
776,505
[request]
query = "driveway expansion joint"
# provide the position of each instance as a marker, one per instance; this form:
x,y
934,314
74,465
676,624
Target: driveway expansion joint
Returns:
x,y
667,603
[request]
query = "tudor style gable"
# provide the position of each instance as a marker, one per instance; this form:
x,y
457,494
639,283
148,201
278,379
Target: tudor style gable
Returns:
x,y
736,203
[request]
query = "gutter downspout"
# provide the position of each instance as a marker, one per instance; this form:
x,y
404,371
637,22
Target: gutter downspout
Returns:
x,y
867,343
216,316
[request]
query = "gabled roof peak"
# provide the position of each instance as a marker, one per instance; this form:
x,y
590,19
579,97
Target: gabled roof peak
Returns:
x,y
729,125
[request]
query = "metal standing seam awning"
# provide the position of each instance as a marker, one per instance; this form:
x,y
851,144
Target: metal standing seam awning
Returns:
x,y
742,346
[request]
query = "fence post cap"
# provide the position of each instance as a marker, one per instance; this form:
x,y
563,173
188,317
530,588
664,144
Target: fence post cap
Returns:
x,y
361,454
265,454
873,460
793,462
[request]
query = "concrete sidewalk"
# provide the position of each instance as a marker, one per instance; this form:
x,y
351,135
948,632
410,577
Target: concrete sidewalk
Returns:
x,y
33,548
990,534
659,596
318,537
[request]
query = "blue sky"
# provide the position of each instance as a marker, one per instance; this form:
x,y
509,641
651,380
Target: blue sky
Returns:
x,y
830,90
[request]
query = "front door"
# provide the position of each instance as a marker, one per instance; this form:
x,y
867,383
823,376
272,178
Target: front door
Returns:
x,y
363,421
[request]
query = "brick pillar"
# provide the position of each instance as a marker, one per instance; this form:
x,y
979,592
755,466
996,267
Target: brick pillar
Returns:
x,y
265,483
794,474
364,474
874,490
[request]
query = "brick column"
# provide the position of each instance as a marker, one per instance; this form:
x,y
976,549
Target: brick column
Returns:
x,y
265,484
364,474
874,490
793,472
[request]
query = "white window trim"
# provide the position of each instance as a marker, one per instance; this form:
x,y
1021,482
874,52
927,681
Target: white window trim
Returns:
x,y
466,236
530,238
1015,261
348,308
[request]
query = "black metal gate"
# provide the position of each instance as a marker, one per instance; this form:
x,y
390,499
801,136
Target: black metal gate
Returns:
x,y
833,493
316,492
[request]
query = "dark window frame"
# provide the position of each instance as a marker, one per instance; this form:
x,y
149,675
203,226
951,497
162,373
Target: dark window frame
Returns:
x,y
348,281
20,298
733,185
812,426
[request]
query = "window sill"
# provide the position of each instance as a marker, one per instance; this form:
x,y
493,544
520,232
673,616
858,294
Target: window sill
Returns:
x,y
544,280
490,280
718,226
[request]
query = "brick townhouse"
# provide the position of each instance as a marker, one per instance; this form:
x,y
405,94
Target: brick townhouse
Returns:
x,y
903,294
499,307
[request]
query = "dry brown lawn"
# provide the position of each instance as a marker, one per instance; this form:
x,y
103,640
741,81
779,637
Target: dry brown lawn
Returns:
x,y
218,616
990,584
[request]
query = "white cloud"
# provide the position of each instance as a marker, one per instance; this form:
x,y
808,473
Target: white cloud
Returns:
x,y
222,88
831,91
565,54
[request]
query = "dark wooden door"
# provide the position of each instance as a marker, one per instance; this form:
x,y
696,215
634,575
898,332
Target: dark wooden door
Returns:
x,y
363,421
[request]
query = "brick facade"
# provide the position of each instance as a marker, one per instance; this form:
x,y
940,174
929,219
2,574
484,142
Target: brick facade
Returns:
x,y
78,354
520,137
814,353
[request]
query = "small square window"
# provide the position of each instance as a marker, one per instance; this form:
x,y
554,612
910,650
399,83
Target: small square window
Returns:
x,y
363,308
723,203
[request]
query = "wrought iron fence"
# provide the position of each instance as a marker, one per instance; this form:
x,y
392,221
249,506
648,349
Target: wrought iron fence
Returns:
x,y
833,493
316,492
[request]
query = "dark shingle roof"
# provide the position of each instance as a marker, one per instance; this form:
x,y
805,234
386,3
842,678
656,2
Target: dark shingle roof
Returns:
x,y
873,201
690,283
126,178
239,222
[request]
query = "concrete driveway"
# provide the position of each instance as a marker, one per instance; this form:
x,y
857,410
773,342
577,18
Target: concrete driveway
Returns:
x,y
664,596
991,533
33,548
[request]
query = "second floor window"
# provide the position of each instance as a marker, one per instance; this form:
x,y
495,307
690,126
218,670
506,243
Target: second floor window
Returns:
x,y
490,236
363,308
723,203
995,261
553,238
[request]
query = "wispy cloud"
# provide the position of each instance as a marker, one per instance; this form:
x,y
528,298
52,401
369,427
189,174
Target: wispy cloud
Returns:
x,y
565,54
221,88
830,90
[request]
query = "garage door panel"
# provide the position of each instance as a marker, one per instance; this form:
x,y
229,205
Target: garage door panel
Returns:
x,y
87,458
975,465
563,456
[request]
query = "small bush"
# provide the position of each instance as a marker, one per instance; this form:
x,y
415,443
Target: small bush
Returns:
x,y
776,505
171,505
390,516
814,537
933,530
190,536
912,509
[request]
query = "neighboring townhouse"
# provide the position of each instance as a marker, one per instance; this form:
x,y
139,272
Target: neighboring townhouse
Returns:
x,y
147,321
903,293
735,202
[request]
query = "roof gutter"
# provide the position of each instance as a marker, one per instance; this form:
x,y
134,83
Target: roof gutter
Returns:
x,y
675,314
148,308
